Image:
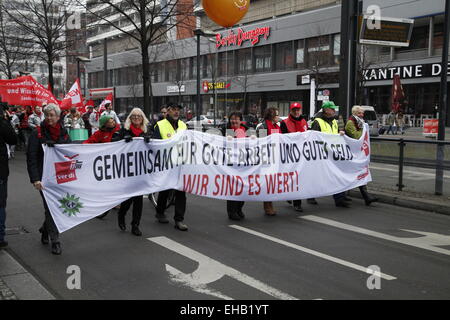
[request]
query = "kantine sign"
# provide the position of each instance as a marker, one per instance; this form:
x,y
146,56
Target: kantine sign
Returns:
x,y
237,39
405,72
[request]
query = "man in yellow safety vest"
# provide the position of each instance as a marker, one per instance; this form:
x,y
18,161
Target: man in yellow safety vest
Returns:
x,y
166,129
327,123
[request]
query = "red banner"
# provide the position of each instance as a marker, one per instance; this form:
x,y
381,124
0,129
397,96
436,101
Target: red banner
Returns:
x,y
25,91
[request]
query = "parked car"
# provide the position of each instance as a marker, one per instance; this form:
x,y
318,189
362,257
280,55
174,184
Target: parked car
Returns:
x,y
203,123
370,116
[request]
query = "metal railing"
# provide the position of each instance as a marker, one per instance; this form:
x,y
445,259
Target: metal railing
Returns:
x,y
413,162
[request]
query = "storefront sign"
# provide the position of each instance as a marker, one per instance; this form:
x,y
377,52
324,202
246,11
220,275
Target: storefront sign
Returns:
x,y
215,86
233,39
176,89
391,32
405,72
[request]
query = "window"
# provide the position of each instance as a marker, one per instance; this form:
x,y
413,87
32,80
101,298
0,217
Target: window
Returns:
x,y
300,53
318,51
284,56
438,37
244,61
184,69
263,59
226,63
171,71
208,63
336,48
419,39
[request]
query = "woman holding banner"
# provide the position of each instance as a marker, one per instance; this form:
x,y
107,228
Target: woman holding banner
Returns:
x,y
270,125
136,125
235,129
50,132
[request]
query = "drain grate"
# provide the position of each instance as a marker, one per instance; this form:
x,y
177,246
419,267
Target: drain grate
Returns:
x,y
16,230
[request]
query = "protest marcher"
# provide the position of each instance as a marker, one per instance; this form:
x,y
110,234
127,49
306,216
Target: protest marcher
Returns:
x,y
110,112
94,118
327,123
270,125
7,136
390,121
85,116
296,123
354,129
136,125
50,132
36,118
166,129
20,123
400,122
234,208
73,120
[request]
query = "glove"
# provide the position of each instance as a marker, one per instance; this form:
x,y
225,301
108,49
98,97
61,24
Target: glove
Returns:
x,y
128,138
50,143
146,139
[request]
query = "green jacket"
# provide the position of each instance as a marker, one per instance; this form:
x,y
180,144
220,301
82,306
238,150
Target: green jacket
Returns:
x,y
352,131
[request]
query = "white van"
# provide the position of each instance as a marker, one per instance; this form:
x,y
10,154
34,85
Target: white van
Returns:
x,y
370,116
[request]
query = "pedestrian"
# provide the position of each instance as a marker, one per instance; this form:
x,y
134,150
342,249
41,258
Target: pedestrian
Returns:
x,y
296,122
85,116
234,208
166,129
73,120
136,125
354,129
94,118
110,112
36,118
327,123
50,132
390,122
270,125
7,137
400,122
107,128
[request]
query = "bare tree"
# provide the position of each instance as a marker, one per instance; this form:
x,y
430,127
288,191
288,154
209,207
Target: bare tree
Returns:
x,y
44,21
147,22
14,48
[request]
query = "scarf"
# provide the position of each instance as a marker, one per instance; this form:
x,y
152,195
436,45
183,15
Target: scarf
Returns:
x,y
54,131
136,131
272,127
298,123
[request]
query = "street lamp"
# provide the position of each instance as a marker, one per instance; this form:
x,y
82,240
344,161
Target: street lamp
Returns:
x,y
200,33
84,60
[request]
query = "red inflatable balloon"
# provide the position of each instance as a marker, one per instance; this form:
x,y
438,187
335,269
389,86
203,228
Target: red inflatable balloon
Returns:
x,y
226,13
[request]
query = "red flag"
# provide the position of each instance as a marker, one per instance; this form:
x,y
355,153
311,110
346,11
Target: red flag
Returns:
x,y
109,99
397,94
25,91
73,98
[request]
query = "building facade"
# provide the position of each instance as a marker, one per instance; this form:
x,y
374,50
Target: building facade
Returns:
x,y
269,60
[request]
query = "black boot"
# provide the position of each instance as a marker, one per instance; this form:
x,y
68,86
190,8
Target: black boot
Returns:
x,y
44,235
121,221
367,198
135,230
56,248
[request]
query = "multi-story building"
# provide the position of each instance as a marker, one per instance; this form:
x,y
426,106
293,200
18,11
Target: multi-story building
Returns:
x,y
290,41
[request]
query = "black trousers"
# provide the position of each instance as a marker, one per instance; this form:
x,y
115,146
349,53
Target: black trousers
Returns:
x,y
49,225
137,209
234,206
180,204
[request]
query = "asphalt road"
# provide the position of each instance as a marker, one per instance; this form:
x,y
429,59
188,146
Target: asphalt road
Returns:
x,y
283,257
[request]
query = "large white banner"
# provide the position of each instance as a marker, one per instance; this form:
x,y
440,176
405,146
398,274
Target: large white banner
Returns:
x,y
83,181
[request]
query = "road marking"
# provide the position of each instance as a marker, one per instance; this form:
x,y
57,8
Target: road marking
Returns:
x,y
209,271
431,175
428,242
312,252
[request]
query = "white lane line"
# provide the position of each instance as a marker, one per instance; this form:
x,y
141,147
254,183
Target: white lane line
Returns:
x,y
312,252
431,175
209,271
429,241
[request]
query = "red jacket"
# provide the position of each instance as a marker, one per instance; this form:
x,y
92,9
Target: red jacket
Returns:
x,y
291,125
101,136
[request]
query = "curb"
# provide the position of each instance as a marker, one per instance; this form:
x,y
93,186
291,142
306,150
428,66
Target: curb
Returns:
x,y
406,202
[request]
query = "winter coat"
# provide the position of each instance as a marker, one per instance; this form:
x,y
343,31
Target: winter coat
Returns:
x,y
102,136
7,136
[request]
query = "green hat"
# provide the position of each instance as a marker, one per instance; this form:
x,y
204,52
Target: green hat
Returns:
x,y
103,120
329,105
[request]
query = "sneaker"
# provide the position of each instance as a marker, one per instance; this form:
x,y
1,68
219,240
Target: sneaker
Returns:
x,y
56,248
180,226
3,244
161,218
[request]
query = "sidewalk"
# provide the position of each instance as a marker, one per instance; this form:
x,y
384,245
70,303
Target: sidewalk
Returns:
x,y
16,283
413,200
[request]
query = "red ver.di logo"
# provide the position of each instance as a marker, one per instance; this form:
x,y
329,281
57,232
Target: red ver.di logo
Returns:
x,y
66,170
365,147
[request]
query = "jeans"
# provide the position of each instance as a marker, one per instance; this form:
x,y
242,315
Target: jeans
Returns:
x,y
3,196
